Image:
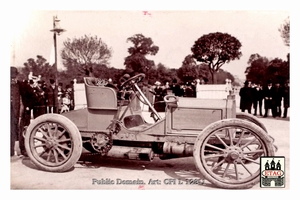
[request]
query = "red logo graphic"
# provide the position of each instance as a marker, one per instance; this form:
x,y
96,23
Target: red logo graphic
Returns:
x,y
141,187
273,173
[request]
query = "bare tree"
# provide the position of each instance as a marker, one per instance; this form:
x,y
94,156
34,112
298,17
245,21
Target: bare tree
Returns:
x,y
285,31
85,53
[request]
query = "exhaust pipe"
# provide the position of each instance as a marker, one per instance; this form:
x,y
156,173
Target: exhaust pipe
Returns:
x,y
178,149
131,153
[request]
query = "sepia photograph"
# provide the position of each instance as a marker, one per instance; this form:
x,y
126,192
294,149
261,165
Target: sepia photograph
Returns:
x,y
150,99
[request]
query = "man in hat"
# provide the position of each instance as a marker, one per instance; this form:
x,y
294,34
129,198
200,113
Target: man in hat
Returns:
x,y
52,93
124,93
15,104
257,99
40,106
286,98
268,98
246,95
71,92
29,98
176,90
189,91
277,99
159,103
60,94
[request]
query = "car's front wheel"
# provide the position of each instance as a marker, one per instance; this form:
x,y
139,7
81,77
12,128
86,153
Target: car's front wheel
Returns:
x,y
53,143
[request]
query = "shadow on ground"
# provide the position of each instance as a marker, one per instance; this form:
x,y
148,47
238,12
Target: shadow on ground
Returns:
x,y
179,168
28,163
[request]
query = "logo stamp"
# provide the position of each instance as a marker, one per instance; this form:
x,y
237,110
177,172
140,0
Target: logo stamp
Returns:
x,y
272,172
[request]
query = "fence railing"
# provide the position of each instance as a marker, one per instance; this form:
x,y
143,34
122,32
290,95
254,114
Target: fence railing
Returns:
x,y
213,91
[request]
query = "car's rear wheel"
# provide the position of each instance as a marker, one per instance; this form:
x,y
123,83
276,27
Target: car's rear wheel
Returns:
x,y
251,118
53,143
224,151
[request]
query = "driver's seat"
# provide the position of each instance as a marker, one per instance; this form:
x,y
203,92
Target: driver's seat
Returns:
x,y
98,96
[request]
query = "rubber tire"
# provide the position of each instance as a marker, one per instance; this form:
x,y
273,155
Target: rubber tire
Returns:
x,y
255,120
74,134
221,124
251,118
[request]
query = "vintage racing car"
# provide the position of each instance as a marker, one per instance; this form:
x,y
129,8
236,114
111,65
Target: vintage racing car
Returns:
x,y
226,145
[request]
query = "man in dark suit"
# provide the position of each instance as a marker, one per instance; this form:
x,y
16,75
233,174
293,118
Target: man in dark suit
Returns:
x,y
15,104
28,96
277,98
246,97
268,98
40,106
176,90
159,103
257,99
52,100
286,98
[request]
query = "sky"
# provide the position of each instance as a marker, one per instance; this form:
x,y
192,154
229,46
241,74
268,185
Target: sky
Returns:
x,y
173,31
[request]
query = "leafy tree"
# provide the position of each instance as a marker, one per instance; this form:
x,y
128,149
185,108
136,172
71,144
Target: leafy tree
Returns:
x,y
256,71
85,53
222,75
164,74
189,69
285,31
151,76
173,74
99,71
105,72
216,49
278,71
159,73
137,61
38,66
261,69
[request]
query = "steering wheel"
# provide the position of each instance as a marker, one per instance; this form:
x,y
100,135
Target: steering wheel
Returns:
x,y
135,79
170,98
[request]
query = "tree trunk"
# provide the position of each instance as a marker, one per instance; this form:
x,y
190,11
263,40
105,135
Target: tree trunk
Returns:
x,y
212,77
91,74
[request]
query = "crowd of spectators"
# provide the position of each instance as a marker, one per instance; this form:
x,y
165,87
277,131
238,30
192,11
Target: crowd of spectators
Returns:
x,y
32,98
156,93
254,96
